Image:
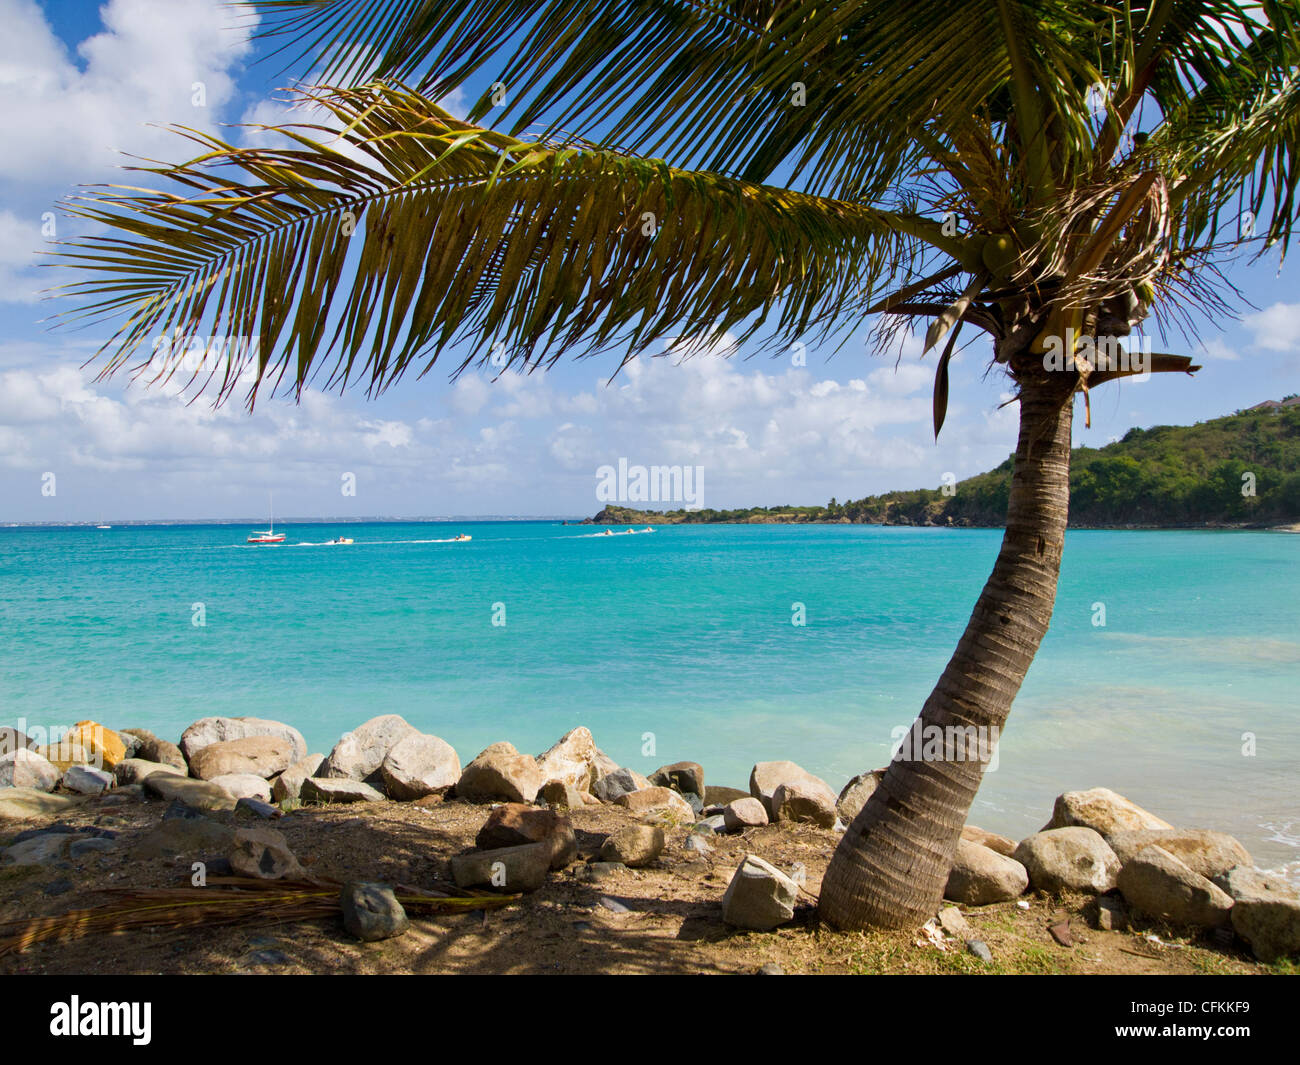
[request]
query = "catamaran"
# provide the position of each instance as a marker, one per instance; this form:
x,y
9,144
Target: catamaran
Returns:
x,y
267,536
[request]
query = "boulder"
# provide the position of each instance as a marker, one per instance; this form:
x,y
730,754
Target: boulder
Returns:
x,y
500,774
1247,882
177,837
371,911
741,814
619,782
86,780
510,869
559,794
1103,811
634,845
338,789
41,848
262,756
720,794
759,897
1158,884
244,785
12,740
571,760
656,800
991,840
1270,925
209,730
153,749
359,754
22,768
288,785
766,777
197,794
680,776
517,823
103,746
138,770
20,803
980,875
854,795
263,853
798,801
603,764
418,765
1073,859
1201,850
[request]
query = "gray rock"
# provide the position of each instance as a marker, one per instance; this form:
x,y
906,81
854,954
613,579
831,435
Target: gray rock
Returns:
x,y
263,853
1111,914
1247,882
45,848
371,911
12,740
359,754
634,845
981,950
854,795
680,776
510,869
260,756
696,843
759,897
981,876
86,780
742,814
771,968
1201,850
23,768
138,770
1271,926
500,774
244,786
620,782
1102,810
338,789
418,765
713,823
804,802
1157,883
211,730
82,848
288,785
197,794
766,777
1073,859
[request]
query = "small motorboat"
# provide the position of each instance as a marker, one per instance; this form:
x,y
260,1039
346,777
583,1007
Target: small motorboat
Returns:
x,y
608,532
460,538
340,540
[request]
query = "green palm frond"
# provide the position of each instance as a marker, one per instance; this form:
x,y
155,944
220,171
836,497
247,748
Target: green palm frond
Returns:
x,y
374,249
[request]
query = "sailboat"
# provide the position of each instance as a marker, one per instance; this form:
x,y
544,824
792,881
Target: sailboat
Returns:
x,y
267,536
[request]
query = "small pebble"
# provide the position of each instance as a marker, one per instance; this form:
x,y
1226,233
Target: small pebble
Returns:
x,y
980,949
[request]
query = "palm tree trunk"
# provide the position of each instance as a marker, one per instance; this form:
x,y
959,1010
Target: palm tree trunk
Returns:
x,y
892,864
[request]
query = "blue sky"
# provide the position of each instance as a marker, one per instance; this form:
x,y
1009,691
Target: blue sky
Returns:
x,y
80,83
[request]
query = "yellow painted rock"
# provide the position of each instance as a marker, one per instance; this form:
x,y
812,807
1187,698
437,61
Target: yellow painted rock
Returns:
x,y
87,743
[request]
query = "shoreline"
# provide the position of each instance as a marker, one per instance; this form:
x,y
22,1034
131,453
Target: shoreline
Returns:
x,y
725,853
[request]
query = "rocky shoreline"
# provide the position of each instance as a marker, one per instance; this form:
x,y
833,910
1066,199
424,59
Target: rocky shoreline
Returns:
x,y
228,780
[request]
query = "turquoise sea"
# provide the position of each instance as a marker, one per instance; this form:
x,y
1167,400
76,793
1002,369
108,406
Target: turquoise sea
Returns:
x,y
680,643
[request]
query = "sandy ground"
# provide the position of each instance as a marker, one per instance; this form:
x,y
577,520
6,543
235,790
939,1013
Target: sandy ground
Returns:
x,y
665,918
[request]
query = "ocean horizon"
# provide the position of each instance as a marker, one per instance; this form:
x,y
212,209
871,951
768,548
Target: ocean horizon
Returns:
x,y
1168,673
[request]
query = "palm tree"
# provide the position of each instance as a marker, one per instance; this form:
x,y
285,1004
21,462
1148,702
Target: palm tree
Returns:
x,y
1037,170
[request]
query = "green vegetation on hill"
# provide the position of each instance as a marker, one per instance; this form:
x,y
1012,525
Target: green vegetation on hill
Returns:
x,y
1166,476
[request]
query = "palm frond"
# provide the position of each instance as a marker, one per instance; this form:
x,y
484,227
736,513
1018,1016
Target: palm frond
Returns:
x,y
375,248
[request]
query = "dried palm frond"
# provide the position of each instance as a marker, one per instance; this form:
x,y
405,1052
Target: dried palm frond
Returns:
x,y
228,900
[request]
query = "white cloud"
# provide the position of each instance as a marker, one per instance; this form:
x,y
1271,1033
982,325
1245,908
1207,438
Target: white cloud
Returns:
x,y
1276,328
